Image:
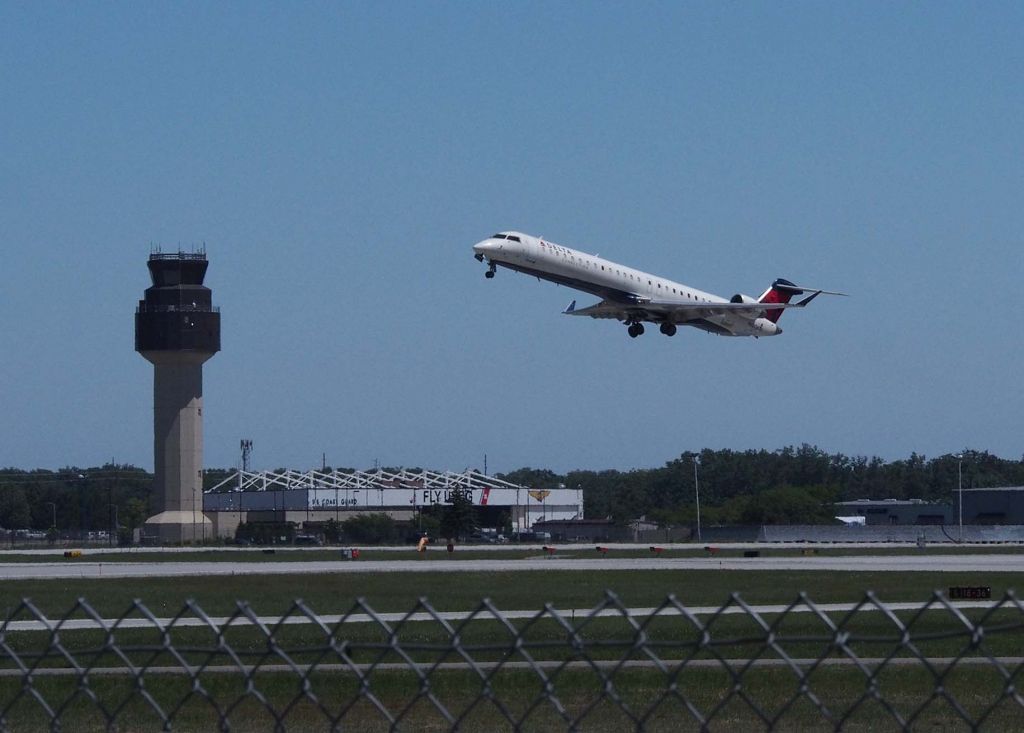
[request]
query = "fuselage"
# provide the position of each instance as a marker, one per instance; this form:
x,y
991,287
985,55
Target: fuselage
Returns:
x,y
614,282
582,271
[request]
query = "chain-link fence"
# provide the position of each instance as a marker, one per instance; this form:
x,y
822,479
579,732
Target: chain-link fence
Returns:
x,y
945,664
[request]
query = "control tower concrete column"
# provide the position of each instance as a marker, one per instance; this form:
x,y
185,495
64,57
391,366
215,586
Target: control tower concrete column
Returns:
x,y
177,329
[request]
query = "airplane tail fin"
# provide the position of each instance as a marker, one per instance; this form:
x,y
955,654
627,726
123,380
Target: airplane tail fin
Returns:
x,y
782,291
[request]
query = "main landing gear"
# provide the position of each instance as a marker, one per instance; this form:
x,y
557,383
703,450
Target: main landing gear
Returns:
x,y
635,328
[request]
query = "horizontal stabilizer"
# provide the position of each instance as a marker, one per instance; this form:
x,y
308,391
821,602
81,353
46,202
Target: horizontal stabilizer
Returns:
x,y
784,286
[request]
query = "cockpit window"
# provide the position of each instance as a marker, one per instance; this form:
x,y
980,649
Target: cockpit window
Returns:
x,y
513,239
499,236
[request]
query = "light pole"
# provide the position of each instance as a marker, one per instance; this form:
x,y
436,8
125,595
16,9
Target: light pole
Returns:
x,y
54,508
960,491
111,513
83,532
696,491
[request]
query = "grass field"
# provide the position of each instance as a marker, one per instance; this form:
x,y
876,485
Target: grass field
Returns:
x,y
572,696
599,700
332,593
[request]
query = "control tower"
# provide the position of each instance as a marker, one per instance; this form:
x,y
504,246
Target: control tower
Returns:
x,y
177,329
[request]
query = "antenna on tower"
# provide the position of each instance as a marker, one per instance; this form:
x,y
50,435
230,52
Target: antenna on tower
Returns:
x,y
246,452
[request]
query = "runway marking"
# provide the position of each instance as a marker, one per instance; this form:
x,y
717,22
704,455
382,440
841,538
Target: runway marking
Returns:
x,y
222,622
940,664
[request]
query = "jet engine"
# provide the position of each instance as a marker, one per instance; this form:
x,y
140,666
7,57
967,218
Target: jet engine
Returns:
x,y
741,298
765,327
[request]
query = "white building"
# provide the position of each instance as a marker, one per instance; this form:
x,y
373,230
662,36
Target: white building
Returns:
x,y
316,496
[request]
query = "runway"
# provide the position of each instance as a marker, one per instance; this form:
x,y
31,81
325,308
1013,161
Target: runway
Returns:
x,y
699,549
246,618
988,563
873,664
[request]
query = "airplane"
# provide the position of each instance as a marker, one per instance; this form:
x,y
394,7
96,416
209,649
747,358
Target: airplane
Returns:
x,y
634,297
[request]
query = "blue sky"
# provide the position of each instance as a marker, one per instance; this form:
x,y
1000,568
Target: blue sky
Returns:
x,y
339,161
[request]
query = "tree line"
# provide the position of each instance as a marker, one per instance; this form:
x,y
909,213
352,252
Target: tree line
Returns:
x,y
72,498
793,485
790,485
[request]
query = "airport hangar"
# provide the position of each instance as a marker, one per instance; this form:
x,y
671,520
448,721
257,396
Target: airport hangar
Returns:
x,y
317,496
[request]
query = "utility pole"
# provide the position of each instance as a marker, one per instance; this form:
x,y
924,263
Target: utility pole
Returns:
x,y
960,491
696,491
111,510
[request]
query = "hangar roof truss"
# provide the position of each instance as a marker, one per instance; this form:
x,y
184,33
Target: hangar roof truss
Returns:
x,y
376,479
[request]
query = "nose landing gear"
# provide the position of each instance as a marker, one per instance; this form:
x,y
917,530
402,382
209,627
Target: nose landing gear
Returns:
x,y
490,271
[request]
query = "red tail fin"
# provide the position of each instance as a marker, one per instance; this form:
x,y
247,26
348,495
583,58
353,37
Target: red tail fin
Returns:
x,y
781,291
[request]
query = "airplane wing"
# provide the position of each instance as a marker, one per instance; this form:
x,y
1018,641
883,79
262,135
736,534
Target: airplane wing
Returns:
x,y
657,311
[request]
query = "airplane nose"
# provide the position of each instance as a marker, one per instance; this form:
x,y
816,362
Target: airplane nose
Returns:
x,y
482,249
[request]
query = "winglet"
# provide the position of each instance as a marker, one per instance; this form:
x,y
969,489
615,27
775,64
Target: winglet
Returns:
x,y
785,286
570,308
